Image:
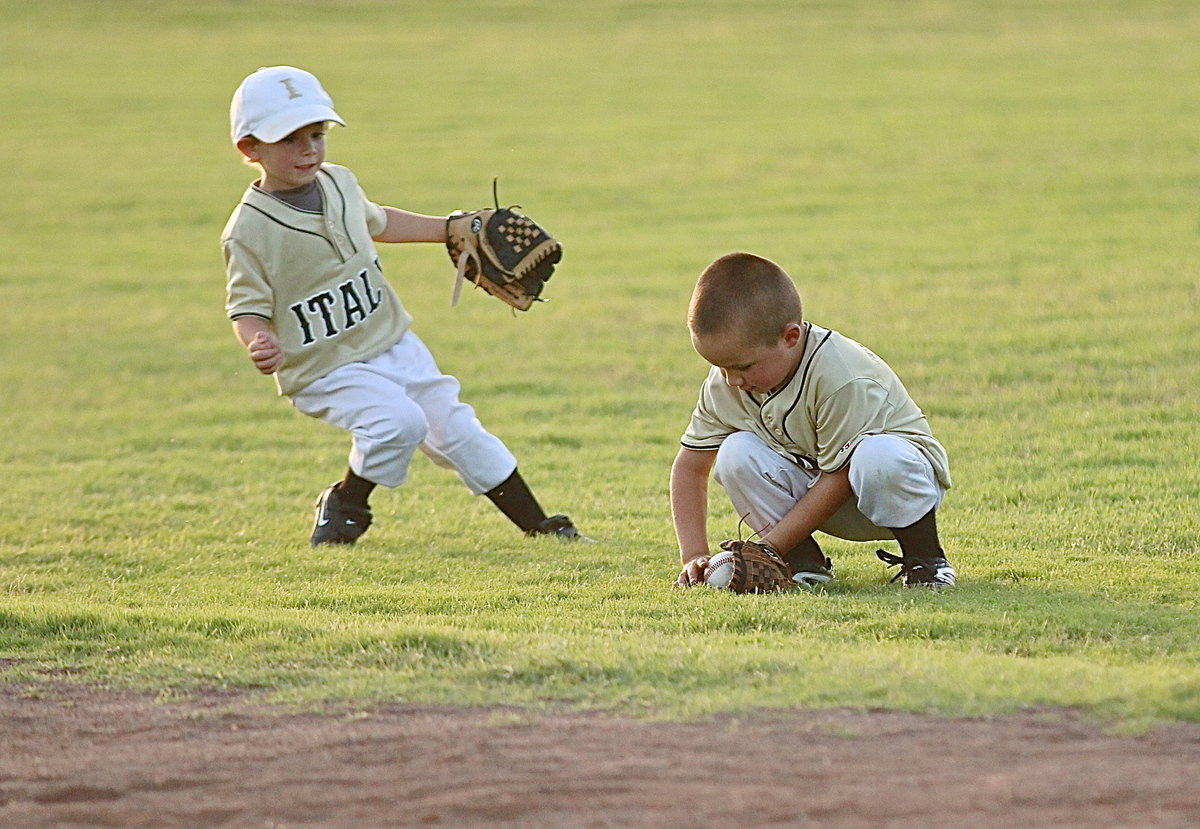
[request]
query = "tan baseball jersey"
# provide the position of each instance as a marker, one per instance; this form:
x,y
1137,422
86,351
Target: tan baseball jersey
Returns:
x,y
841,393
315,275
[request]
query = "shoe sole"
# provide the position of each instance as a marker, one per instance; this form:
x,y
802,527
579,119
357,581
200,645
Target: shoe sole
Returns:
x,y
937,583
811,579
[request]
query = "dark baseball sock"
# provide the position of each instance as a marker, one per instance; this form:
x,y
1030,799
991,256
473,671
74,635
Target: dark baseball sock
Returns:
x,y
805,556
514,499
919,541
354,490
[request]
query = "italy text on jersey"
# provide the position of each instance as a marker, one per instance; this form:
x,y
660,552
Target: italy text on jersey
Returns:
x,y
325,314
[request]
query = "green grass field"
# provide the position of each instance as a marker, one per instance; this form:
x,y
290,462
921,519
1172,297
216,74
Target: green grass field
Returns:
x,y
1000,198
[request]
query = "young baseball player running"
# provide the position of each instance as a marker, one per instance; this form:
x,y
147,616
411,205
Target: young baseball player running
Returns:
x,y
309,301
806,430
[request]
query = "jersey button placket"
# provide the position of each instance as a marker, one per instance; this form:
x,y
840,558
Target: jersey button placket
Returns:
x,y
339,240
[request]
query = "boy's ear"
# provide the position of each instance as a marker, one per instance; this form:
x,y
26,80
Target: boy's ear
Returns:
x,y
792,333
249,147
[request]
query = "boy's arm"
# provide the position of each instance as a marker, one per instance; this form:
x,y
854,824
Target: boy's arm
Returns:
x,y
689,510
259,338
822,500
403,226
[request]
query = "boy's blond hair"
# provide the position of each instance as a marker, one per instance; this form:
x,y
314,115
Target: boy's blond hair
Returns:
x,y
745,293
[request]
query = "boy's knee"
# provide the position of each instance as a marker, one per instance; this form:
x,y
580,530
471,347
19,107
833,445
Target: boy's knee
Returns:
x,y
736,457
406,427
888,464
880,459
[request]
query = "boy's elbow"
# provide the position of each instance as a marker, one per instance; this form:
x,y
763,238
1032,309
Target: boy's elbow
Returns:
x,y
692,462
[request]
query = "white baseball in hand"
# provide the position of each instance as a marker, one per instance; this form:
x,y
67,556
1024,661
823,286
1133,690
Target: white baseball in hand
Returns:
x,y
719,572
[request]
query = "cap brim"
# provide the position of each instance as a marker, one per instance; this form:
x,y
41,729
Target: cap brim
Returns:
x,y
280,126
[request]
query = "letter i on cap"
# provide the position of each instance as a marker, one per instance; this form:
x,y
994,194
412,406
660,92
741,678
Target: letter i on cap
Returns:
x,y
275,101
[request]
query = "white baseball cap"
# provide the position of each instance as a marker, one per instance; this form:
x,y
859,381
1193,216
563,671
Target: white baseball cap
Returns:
x,y
275,101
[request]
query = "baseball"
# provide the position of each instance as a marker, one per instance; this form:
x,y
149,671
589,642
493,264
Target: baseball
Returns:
x,y
719,571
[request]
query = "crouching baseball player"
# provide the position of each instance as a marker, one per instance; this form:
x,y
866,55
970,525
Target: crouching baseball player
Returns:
x,y
308,299
806,430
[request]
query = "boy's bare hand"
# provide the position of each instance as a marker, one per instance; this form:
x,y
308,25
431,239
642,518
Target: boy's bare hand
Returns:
x,y
265,352
693,572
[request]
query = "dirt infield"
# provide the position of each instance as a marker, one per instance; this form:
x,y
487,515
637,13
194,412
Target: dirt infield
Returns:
x,y
74,756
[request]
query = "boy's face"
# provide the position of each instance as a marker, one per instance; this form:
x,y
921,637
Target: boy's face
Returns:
x,y
759,369
291,162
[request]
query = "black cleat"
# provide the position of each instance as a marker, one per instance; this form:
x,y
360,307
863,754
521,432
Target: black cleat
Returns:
x,y
338,523
559,526
934,573
810,566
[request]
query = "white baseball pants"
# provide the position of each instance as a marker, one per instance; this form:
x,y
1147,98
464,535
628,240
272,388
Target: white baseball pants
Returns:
x,y
894,485
399,402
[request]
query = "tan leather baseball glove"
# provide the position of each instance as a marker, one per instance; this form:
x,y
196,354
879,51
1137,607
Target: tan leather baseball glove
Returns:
x,y
757,568
507,254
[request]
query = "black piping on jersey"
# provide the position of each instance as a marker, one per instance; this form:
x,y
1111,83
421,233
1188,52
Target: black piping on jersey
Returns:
x,y
342,197
803,379
297,229
803,460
